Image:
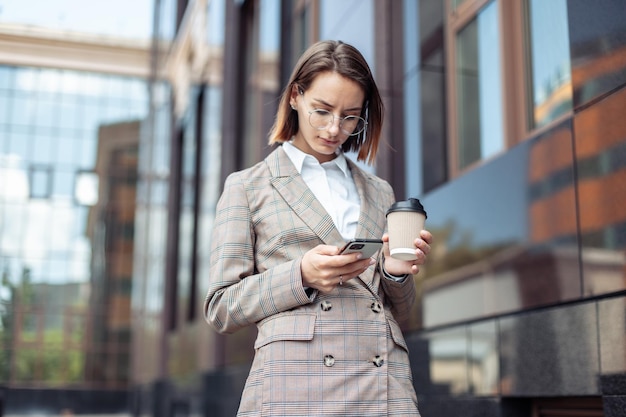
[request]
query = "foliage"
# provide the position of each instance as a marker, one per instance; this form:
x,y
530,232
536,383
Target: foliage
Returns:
x,y
56,364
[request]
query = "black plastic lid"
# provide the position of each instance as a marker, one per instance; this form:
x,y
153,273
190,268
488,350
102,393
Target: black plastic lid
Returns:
x,y
412,204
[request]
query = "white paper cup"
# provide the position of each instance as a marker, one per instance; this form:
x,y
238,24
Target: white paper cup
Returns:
x,y
405,219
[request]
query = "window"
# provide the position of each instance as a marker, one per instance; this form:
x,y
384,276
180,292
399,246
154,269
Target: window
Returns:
x,y
478,88
510,74
424,95
305,27
550,60
86,188
597,48
190,164
261,76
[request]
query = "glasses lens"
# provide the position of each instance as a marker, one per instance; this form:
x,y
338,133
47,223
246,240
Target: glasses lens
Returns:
x,y
350,125
320,119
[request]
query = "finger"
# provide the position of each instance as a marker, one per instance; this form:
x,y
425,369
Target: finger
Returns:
x,y
426,236
327,249
348,259
357,268
422,246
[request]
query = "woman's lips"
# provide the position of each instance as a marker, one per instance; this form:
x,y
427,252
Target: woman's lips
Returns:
x,y
329,142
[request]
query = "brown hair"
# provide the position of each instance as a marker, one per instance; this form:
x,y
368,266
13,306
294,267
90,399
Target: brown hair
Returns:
x,y
347,61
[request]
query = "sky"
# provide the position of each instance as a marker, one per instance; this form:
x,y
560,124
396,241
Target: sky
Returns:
x,y
125,18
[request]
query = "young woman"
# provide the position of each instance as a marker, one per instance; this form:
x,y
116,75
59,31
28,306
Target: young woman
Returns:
x,y
328,339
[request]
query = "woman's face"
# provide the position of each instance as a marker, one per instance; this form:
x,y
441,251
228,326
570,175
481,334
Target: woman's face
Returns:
x,y
331,92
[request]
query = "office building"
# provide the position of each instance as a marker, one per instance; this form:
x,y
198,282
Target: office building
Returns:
x,y
504,117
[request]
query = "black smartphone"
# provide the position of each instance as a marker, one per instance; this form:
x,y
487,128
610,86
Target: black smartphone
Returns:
x,y
367,247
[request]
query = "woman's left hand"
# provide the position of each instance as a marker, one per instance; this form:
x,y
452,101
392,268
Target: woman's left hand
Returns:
x,y
399,267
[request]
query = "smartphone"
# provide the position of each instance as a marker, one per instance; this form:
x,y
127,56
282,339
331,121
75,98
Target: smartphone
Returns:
x,y
367,247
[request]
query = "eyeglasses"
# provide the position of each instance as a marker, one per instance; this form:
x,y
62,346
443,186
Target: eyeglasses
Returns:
x,y
322,119
349,125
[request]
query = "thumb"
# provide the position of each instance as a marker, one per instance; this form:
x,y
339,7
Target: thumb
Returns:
x,y
328,250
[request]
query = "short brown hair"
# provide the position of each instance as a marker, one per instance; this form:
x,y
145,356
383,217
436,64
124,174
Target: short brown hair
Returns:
x,y
347,61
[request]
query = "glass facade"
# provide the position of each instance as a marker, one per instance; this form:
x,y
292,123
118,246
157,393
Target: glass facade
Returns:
x,y
527,269
551,68
261,78
596,48
538,225
68,167
151,236
527,265
479,88
424,95
108,188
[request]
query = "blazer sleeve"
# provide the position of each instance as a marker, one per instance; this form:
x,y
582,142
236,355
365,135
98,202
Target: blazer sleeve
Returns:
x,y
239,295
400,295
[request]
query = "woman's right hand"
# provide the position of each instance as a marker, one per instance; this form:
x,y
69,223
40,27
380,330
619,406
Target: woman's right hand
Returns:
x,y
323,268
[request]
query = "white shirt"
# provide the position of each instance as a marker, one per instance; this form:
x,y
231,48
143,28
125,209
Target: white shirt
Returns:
x,y
333,185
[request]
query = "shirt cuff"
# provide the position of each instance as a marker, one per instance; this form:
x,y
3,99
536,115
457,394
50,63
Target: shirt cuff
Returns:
x,y
396,278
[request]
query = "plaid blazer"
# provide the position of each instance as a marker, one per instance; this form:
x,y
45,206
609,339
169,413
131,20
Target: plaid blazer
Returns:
x,y
340,354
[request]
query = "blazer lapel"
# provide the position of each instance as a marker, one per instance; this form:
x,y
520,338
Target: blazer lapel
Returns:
x,y
290,185
370,225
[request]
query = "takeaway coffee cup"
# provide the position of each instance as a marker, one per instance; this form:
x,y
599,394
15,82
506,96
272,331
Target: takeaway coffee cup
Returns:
x,y
405,219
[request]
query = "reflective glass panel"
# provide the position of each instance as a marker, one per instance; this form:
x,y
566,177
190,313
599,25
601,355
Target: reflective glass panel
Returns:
x,y
65,246
448,359
484,367
262,72
505,234
424,96
479,88
598,47
600,132
550,60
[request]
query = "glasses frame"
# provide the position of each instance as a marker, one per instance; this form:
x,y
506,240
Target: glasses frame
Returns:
x,y
332,120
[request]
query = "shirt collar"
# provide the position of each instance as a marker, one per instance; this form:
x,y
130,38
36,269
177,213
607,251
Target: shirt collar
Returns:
x,y
298,159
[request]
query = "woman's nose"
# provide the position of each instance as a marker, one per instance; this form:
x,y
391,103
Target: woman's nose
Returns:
x,y
334,127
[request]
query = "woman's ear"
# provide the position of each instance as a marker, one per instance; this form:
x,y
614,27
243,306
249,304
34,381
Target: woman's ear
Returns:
x,y
293,96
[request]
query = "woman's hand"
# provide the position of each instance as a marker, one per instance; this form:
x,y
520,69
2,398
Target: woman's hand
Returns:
x,y
399,267
323,268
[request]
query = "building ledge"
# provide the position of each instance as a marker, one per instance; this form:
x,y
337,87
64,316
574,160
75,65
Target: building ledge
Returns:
x,y
25,45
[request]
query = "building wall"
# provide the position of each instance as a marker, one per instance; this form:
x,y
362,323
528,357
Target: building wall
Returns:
x,y
527,273
71,111
522,297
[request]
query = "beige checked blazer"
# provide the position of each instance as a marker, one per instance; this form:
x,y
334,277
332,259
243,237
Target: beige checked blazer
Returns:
x,y
340,354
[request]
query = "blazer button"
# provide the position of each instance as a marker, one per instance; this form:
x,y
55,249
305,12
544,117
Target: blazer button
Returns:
x,y
326,305
329,360
376,307
378,361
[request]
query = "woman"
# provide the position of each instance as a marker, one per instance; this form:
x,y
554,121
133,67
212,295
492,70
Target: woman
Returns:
x,y
328,339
